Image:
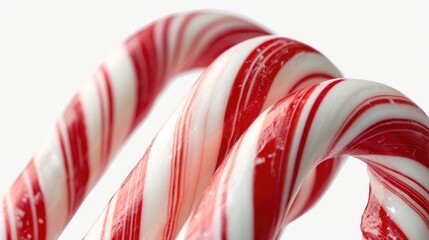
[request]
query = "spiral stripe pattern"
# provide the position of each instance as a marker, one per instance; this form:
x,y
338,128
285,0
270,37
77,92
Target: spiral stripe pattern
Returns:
x,y
251,194
103,114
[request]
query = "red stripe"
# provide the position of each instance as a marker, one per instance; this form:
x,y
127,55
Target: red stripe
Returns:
x,y
238,116
274,147
228,167
403,189
324,171
306,130
376,223
177,170
273,150
201,220
324,174
372,163
165,50
27,225
365,106
7,225
111,109
224,40
39,203
103,229
395,137
306,80
78,146
175,181
128,209
103,156
66,168
179,41
142,50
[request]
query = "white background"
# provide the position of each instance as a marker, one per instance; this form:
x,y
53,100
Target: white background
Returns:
x,y
48,49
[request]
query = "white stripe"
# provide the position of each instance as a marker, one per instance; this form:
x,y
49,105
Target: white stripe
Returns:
x,y
143,66
377,114
109,220
159,37
173,35
71,170
157,181
11,217
261,66
123,82
295,69
403,165
131,186
220,189
304,164
207,121
140,177
405,217
332,114
91,107
246,77
420,172
240,189
356,92
302,198
315,147
193,29
216,31
183,231
52,179
209,110
105,105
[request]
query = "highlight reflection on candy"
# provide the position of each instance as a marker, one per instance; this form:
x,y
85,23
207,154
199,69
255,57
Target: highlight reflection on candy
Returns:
x,y
254,144
103,114
252,192
162,190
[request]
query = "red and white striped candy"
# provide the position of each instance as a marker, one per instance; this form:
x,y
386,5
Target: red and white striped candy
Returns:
x,y
252,192
101,116
164,187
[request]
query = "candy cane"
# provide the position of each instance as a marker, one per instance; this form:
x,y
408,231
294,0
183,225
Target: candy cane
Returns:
x,y
251,194
158,195
101,116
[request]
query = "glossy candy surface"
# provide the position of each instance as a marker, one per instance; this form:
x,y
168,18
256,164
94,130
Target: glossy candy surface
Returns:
x,y
254,144
251,194
164,187
103,114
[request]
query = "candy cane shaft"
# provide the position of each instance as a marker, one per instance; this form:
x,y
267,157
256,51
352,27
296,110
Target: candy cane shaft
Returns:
x,y
102,115
251,194
161,191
